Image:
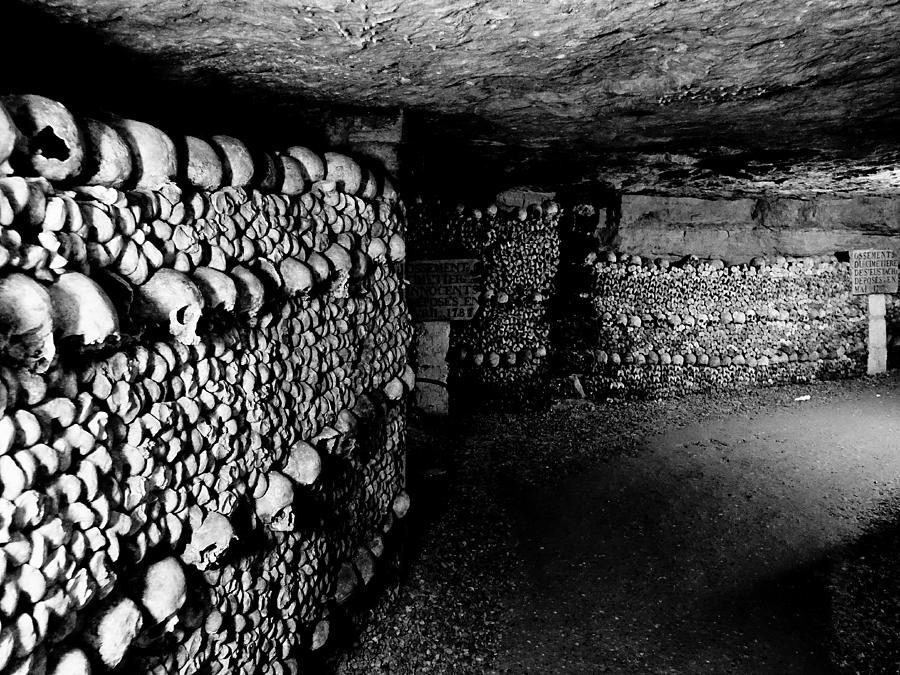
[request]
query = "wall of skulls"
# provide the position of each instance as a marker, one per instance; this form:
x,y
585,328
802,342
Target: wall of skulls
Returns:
x,y
632,326
502,352
202,380
663,329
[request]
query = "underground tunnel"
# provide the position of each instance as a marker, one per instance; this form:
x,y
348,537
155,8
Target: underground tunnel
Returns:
x,y
449,337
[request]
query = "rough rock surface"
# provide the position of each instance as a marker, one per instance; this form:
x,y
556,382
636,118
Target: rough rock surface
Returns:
x,y
739,229
516,87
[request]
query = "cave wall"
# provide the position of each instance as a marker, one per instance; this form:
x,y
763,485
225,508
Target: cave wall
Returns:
x,y
202,388
739,229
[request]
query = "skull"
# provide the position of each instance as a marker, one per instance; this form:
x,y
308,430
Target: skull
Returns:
x,y
377,250
113,629
171,299
209,541
152,151
237,164
250,290
199,164
72,662
275,506
304,463
107,156
26,317
165,591
313,166
298,277
369,189
291,174
343,171
82,310
397,248
8,134
50,143
218,289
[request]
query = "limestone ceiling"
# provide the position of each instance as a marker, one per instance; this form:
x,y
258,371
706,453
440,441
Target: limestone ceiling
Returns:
x,y
541,92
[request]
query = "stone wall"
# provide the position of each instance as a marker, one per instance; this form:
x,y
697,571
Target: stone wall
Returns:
x,y
201,395
739,229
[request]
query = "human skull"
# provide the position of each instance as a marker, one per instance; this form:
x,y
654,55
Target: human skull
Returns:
x,y
237,163
218,289
171,299
251,293
199,164
107,156
152,151
113,629
343,171
81,309
8,135
275,506
71,662
50,142
303,464
209,541
165,590
313,166
298,277
26,322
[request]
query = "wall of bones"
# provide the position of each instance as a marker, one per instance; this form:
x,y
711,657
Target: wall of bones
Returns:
x,y
556,303
656,328
202,379
502,353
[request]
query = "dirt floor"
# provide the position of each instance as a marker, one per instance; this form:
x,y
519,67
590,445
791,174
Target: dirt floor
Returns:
x,y
673,537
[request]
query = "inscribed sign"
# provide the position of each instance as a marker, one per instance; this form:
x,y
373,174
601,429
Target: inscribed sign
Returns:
x,y
442,290
873,271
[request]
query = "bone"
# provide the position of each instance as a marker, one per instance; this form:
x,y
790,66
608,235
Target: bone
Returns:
x,y
199,164
237,163
153,152
107,156
113,629
81,310
312,163
50,143
8,135
26,316
71,662
343,171
170,299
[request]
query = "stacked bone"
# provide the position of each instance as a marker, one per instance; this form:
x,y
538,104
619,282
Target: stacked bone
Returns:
x,y
184,365
437,231
501,353
662,329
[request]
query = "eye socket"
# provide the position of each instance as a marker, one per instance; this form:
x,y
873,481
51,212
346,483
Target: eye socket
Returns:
x,y
47,143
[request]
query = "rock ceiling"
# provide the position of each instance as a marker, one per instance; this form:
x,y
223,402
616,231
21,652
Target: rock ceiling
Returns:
x,y
799,94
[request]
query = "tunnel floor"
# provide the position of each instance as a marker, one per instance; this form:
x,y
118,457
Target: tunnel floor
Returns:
x,y
693,536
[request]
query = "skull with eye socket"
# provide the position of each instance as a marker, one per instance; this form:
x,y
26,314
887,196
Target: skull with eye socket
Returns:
x,y
275,507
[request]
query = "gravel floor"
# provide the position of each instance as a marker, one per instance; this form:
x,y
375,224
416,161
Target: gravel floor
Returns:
x,y
715,534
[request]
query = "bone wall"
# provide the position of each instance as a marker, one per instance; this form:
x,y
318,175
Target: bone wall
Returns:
x,y
202,390
621,324
652,328
502,352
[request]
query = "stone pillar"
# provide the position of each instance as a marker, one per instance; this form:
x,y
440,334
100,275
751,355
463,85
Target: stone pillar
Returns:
x,y
877,334
432,345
